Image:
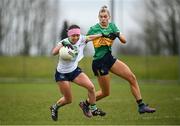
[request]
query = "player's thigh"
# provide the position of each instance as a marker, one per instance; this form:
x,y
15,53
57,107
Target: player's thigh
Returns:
x,y
65,88
83,80
121,69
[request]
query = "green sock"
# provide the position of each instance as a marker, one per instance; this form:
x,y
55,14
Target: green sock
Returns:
x,y
92,107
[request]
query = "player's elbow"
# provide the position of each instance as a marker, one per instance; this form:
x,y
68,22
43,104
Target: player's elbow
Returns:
x,y
53,52
122,39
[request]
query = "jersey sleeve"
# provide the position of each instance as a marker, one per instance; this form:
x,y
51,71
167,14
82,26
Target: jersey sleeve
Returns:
x,y
115,28
59,43
90,32
83,38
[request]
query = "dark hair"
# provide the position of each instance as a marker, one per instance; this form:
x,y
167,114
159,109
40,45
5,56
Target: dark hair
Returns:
x,y
73,26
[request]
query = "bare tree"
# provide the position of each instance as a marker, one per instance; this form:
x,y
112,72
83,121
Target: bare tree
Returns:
x,y
1,34
161,26
28,26
63,33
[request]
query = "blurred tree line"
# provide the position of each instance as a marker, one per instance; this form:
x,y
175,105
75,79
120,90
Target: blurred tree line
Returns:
x,y
162,27
158,31
28,27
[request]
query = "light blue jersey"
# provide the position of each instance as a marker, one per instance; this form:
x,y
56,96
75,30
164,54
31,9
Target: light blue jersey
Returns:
x,y
67,66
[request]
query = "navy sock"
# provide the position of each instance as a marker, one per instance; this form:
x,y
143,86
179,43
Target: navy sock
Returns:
x,y
140,102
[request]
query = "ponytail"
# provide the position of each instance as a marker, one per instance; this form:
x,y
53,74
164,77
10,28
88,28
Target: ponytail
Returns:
x,y
104,9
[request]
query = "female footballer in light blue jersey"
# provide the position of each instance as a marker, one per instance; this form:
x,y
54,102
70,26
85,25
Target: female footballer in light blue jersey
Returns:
x,y
68,71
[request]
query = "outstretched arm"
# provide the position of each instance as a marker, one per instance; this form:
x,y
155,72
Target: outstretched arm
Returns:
x,y
92,37
115,35
55,50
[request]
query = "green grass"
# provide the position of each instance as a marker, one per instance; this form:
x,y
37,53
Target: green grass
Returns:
x,y
27,67
24,100
152,67
28,103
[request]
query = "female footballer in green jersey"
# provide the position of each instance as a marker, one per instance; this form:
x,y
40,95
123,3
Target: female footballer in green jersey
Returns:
x,y
104,62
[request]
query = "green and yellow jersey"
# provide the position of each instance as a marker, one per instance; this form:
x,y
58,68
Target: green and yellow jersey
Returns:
x,y
102,45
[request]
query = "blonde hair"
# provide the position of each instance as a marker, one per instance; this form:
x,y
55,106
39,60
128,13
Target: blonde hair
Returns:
x,y
104,9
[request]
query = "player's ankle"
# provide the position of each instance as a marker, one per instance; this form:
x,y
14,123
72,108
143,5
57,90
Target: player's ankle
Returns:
x,y
87,103
140,102
93,107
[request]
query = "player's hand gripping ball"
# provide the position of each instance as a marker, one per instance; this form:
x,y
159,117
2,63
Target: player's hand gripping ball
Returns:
x,y
66,53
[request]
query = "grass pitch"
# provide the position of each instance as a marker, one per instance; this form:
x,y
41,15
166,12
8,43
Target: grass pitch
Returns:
x,y
28,104
152,67
25,98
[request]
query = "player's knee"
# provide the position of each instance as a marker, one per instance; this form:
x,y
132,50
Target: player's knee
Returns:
x,y
91,88
132,78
